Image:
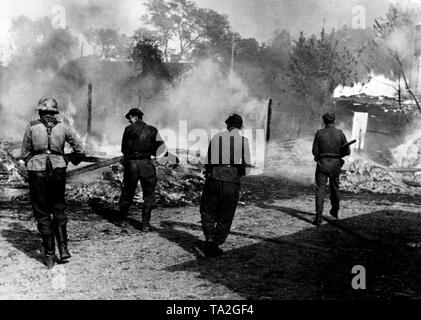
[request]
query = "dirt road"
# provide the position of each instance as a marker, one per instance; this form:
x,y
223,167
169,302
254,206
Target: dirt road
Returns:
x,y
273,253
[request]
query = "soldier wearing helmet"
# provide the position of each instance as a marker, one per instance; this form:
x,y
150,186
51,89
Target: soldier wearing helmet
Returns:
x,y
228,160
43,152
140,142
328,154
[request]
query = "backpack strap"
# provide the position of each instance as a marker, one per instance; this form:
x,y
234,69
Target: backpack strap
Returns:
x,y
49,125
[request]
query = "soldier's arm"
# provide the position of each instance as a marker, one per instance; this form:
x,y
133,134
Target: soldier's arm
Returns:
x,y
124,141
26,144
75,142
347,150
315,149
246,157
160,149
208,164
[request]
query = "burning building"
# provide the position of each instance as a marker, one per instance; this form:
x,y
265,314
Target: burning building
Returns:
x,y
384,124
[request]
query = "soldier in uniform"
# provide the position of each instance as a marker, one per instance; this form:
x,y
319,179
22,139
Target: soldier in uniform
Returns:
x,y
43,152
228,160
140,142
328,153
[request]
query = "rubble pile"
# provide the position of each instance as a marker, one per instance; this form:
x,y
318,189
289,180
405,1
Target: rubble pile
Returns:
x,y
178,185
10,171
409,155
367,176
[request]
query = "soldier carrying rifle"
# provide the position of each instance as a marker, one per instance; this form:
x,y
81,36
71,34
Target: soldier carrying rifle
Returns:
x,y
329,147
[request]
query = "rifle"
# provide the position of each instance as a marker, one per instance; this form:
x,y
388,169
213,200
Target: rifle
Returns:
x,y
71,157
346,145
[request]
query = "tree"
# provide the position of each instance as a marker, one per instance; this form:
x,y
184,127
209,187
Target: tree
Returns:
x,y
394,32
318,66
108,44
280,47
55,50
147,61
146,58
159,16
190,26
39,45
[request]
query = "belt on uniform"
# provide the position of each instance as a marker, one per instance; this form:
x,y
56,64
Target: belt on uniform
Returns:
x,y
226,165
331,156
138,156
56,153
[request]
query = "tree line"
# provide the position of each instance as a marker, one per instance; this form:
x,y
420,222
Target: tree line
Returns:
x,y
305,69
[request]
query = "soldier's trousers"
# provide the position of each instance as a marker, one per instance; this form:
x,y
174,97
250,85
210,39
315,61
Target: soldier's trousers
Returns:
x,y
328,169
135,170
217,208
47,189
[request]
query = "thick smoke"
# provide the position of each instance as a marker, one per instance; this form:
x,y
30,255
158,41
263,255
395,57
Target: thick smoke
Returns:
x,y
23,83
202,98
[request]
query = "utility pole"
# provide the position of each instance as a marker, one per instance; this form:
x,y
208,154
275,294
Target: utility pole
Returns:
x,y
268,133
89,129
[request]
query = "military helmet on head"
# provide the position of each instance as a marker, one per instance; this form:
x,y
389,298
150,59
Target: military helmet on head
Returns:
x,y
48,104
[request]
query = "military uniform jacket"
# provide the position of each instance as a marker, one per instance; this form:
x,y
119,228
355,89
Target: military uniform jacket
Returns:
x,y
228,156
35,144
327,144
141,141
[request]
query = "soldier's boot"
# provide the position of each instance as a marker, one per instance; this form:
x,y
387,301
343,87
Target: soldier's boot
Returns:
x,y
217,250
124,212
49,250
146,219
334,212
318,220
212,250
207,248
62,240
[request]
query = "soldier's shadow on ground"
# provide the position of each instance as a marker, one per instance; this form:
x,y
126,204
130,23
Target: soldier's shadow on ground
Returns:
x,y
266,188
187,241
184,239
317,263
25,240
112,214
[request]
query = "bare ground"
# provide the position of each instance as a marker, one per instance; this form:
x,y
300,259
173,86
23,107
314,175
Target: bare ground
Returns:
x,y
273,253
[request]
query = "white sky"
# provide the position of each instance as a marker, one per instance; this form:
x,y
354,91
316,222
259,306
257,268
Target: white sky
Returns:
x,y
251,18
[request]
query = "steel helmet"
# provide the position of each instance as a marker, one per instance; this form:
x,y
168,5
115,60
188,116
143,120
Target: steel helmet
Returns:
x,y
48,104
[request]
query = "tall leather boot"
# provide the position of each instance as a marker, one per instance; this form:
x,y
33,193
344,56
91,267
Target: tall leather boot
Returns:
x,y
212,250
318,220
49,250
146,219
124,212
61,236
